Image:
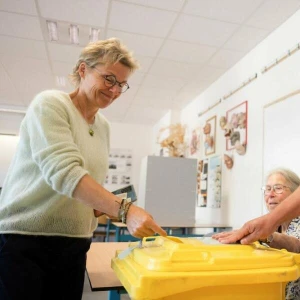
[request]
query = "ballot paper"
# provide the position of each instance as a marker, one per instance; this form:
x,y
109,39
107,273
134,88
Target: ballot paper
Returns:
x,y
126,193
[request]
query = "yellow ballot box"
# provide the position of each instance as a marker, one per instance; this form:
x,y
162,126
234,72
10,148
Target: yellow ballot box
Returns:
x,y
188,268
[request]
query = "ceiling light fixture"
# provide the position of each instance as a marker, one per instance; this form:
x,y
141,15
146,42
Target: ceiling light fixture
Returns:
x,y
60,81
14,111
74,34
52,30
94,34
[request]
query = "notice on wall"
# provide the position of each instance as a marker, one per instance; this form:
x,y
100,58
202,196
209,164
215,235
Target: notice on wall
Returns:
x,y
214,182
202,176
120,167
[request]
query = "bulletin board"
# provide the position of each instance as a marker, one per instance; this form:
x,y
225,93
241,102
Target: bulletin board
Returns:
x,y
281,145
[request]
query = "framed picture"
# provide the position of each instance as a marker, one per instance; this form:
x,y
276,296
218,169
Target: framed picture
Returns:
x,y
237,125
202,177
194,141
214,182
209,134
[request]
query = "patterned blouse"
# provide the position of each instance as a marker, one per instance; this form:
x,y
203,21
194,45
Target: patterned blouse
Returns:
x,y
293,288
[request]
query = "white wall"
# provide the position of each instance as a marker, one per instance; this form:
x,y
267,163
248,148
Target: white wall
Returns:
x,y
164,122
136,137
242,198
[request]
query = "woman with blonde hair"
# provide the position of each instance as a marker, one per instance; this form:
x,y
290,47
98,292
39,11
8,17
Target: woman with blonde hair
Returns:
x,y
54,191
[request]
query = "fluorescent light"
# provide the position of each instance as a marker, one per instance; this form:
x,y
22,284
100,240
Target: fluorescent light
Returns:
x,y
14,111
52,30
94,34
60,81
74,34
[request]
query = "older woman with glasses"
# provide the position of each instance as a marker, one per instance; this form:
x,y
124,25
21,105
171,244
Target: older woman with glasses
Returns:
x,y
280,183
54,190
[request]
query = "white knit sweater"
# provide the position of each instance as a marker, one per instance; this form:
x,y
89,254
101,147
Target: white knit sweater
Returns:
x,y
55,151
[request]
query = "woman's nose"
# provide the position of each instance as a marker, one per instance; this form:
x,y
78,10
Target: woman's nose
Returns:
x,y
115,89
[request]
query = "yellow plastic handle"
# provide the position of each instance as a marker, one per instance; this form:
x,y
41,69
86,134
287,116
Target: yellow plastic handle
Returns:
x,y
174,239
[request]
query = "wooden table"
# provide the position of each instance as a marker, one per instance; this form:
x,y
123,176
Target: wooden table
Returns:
x,y
98,266
121,235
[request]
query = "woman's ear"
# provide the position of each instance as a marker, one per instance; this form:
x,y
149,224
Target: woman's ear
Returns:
x,y
82,70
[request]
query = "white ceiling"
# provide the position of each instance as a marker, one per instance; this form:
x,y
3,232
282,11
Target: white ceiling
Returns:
x,y
183,46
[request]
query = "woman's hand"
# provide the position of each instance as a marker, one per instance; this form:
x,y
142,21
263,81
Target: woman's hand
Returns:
x,y
141,224
223,235
259,228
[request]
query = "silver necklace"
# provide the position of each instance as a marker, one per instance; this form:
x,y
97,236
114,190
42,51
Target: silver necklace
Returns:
x,y
91,130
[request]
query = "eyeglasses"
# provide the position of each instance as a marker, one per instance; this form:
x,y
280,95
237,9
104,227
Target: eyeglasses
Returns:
x,y
277,188
111,80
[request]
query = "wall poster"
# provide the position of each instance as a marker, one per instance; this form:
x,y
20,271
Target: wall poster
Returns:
x,y
209,131
194,141
214,182
236,128
119,167
202,177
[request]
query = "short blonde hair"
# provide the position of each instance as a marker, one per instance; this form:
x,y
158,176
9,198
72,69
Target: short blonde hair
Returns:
x,y
105,52
291,178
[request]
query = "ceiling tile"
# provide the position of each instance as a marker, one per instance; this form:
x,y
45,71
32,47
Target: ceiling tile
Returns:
x,y
226,58
127,97
166,68
272,13
185,52
216,33
139,19
187,95
156,81
27,64
8,93
22,47
141,101
246,38
162,94
174,5
208,74
62,68
139,44
17,6
28,87
89,12
20,26
5,82
233,11
137,114
136,78
114,112
145,62
11,97
64,53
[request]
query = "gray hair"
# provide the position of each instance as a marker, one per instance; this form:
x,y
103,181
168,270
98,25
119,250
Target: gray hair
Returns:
x,y
291,178
105,52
